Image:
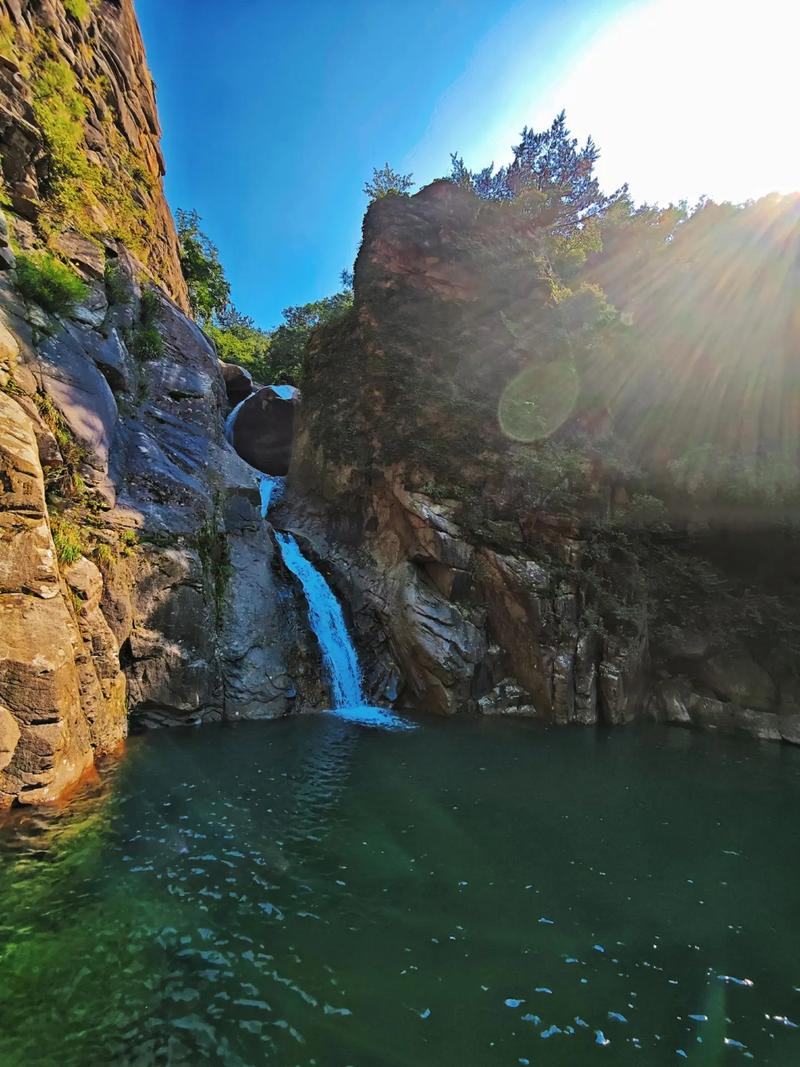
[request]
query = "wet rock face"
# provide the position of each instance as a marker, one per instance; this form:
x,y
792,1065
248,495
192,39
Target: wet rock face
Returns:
x,y
263,432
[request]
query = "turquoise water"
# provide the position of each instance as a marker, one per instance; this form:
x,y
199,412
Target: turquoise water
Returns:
x,y
466,893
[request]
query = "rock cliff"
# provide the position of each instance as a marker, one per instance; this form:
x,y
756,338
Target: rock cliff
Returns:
x,y
135,568
80,138
455,470
493,569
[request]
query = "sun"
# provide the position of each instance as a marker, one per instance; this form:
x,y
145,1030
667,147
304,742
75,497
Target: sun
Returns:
x,y
691,97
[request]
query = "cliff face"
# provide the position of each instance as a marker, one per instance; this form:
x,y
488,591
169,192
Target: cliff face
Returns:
x,y
494,552
79,134
135,569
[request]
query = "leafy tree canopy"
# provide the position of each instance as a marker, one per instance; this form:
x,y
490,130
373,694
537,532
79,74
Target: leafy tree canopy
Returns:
x,y
209,289
290,339
274,356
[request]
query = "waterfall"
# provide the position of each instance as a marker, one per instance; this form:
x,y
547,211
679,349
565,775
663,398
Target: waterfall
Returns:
x,y
327,622
338,654
231,419
270,488
324,612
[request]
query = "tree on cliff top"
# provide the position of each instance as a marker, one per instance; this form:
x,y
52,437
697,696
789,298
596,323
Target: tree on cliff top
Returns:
x,y
554,176
209,289
387,182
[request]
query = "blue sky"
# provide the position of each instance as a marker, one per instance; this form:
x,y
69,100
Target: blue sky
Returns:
x,y
274,114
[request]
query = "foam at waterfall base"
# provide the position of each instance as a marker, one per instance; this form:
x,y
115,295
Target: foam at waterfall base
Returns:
x,y
367,715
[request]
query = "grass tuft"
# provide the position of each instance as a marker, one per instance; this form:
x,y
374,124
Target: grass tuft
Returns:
x,y
68,541
42,279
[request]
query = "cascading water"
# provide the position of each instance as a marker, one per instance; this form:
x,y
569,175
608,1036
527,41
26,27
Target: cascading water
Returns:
x,y
324,613
270,488
231,419
327,622
338,654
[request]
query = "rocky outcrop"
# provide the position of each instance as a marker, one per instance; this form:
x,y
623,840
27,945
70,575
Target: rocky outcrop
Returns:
x,y
238,383
62,692
489,556
158,602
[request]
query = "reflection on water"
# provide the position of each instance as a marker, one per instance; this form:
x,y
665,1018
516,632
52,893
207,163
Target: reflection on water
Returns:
x,y
314,892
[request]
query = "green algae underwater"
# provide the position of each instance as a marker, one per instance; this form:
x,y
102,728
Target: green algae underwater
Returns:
x,y
470,892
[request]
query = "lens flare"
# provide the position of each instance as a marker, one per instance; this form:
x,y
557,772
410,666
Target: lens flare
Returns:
x,y
538,400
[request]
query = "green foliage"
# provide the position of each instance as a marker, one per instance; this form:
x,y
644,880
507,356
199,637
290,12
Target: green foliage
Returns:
x,y
555,178
146,341
103,555
289,341
65,480
212,546
128,539
76,186
60,111
8,37
117,288
550,476
79,9
68,541
209,290
387,182
240,341
270,357
42,279
708,472
644,511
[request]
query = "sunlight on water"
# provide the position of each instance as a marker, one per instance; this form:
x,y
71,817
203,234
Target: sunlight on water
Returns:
x,y
285,392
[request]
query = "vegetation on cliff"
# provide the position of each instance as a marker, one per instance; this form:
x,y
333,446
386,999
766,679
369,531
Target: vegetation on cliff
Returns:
x,y
42,279
80,143
606,389
625,335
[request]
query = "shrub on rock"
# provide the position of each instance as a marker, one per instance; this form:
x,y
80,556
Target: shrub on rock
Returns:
x,y
42,279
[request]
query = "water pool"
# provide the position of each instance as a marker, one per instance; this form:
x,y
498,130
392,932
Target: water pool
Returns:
x,y
467,893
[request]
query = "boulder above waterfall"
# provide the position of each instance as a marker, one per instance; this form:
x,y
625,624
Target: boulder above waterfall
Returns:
x,y
263,428
238,382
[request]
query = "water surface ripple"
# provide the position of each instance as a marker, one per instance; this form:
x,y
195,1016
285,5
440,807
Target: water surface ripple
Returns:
x,y
312,892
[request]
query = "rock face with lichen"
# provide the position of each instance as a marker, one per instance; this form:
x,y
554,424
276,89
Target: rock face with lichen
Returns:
x,y
79,138
436,499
